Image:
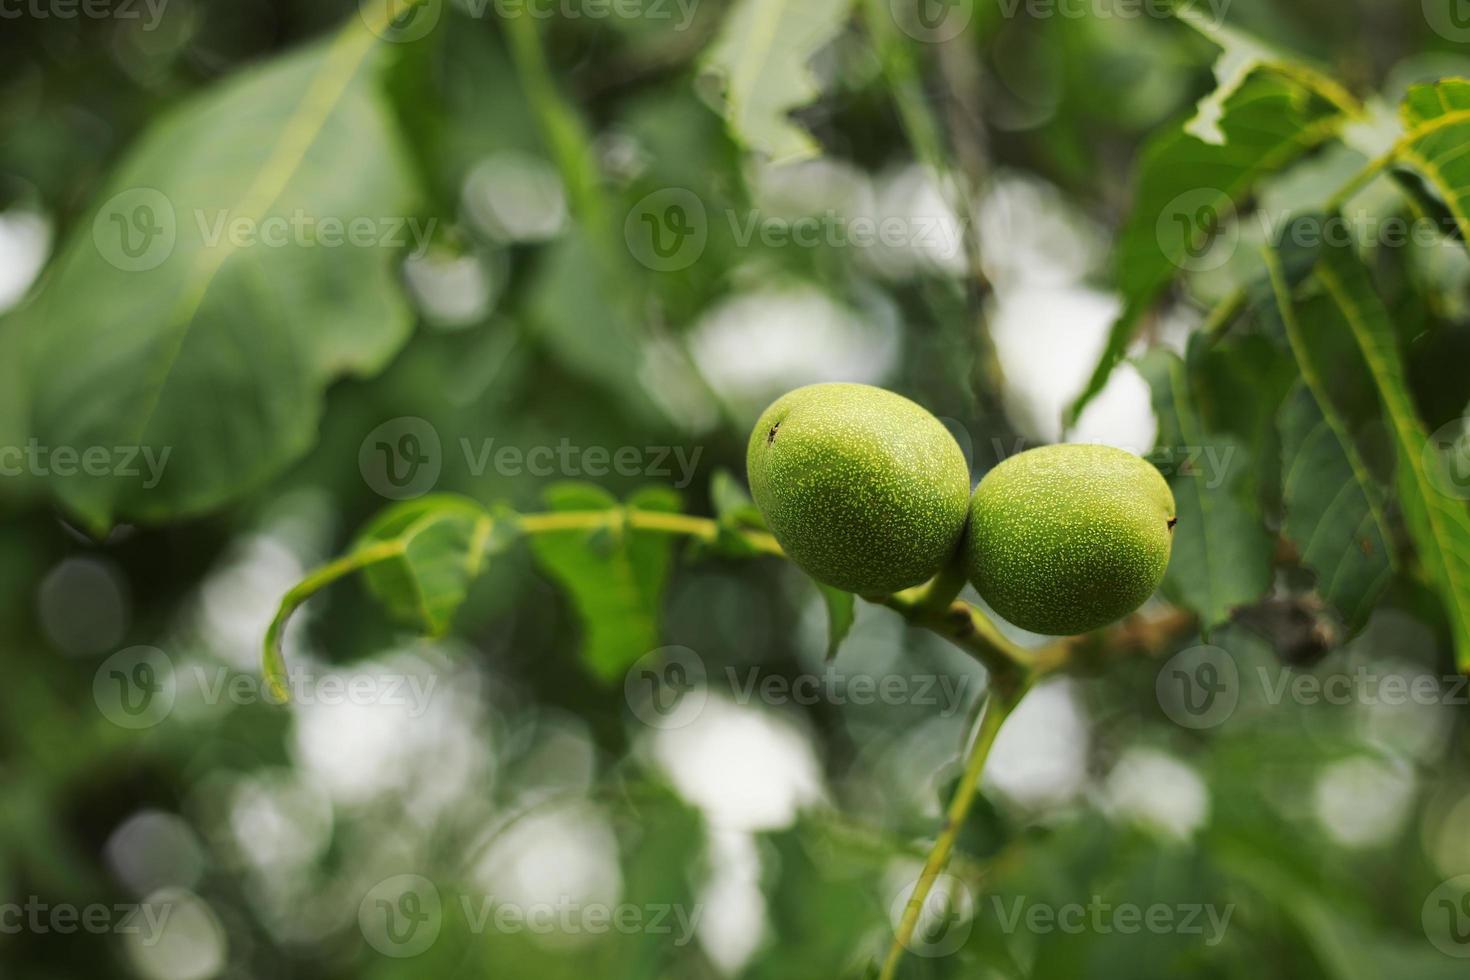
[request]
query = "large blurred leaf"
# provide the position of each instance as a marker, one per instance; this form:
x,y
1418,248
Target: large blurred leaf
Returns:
x,y
1222,553
763,52
826,904
580,313
158,328
1188,191
1437,118
1438,521
614,575
442,540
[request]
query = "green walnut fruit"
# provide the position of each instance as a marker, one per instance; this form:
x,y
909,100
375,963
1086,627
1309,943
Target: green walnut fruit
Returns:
x,y
865,490
1065,539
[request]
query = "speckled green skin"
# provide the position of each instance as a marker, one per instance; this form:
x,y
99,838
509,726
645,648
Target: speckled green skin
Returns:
x,y
865,490
1066,539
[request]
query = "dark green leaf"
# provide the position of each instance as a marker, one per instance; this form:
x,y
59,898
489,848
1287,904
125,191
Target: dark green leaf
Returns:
x,y
1333,510
1437,518
1222,553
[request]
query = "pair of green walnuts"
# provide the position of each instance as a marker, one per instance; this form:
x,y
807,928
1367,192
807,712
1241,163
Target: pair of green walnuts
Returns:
x,y
868,492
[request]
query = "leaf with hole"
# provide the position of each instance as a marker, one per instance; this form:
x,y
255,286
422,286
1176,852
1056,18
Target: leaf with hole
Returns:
x,y
764,55
1190,190
1437,123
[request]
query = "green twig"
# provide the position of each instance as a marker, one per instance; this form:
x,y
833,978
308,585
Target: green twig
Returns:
x,y
997,709
274,663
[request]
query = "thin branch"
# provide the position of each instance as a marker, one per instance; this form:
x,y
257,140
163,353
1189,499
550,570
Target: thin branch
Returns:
x,y
997,709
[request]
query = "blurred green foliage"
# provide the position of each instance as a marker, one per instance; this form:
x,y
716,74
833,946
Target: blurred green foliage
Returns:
x,y
511,765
